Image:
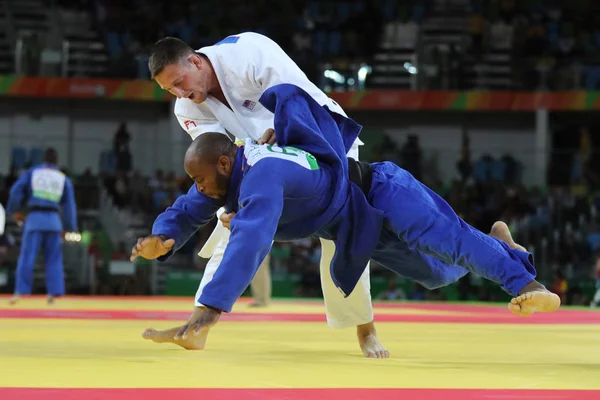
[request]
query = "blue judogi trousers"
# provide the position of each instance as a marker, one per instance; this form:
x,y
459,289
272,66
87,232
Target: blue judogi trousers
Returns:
x,y
30,245
424,240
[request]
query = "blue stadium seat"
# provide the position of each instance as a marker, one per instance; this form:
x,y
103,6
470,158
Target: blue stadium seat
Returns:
x,y
593,240
320,43
108,162
344,12
335,42
36,156
18,157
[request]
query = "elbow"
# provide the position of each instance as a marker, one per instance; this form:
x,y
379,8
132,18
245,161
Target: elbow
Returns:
x,y
263,241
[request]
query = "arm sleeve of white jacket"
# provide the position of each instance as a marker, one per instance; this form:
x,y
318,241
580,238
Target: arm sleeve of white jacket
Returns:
x,y
2,220
194,122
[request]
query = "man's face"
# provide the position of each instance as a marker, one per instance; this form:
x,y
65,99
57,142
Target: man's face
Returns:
x,y
189,79
211,179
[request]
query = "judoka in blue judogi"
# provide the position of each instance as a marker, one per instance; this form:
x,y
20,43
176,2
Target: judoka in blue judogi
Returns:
x,y
42,192
307,187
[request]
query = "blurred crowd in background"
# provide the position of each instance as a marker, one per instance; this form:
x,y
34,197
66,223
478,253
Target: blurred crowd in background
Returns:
x,y
477,44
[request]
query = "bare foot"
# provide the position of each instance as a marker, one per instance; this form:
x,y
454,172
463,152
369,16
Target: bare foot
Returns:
x,y
534,298
500,231
192,342
14,300
51,300
369,344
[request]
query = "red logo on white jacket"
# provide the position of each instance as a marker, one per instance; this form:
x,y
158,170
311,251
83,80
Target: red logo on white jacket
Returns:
x,y
187,124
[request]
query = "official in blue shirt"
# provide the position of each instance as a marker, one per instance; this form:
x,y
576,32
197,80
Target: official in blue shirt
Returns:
x,y
42,192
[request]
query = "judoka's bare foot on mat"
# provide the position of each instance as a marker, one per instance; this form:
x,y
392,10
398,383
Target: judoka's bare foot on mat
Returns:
x,y
501,232
369,344
534,298
14,300
192,342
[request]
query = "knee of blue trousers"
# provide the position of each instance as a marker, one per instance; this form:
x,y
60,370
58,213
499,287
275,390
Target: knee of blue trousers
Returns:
x,y
447,277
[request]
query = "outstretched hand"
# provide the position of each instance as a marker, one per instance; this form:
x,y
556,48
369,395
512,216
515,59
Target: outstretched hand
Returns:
x,y
151,247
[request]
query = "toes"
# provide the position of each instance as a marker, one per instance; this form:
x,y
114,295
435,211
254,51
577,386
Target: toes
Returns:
x,y
148,333
514,307
383,354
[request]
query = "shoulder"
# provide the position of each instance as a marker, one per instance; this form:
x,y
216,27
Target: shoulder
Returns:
x,y
246,45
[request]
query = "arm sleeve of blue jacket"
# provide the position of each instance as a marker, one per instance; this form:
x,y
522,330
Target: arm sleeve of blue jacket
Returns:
x,y
18,193
189,213
69,209
252,231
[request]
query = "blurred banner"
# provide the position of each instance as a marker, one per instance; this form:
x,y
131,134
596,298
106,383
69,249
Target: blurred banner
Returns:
x,y
350,100
82,88
468,101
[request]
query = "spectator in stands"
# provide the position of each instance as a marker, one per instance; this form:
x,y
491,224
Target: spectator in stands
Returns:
x,y
596,300
121,253
393,292
536,35
388,150
121,190
99,268
476,29
560,285
121,148
86,190
464,166
412,155
157,182
138,193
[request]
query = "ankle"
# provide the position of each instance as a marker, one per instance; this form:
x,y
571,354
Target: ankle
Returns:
x,y
533,286
366,329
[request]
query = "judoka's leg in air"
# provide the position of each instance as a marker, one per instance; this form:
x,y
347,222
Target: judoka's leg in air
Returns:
x,y
427,224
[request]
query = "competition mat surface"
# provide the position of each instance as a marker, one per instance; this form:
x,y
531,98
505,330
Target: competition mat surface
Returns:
x,y
88,348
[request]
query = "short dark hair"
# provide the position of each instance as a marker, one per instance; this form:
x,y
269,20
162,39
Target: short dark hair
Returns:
x,y
210,146
165,52
51,156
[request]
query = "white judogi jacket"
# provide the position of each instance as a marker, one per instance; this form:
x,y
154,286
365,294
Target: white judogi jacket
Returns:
x,y
246,65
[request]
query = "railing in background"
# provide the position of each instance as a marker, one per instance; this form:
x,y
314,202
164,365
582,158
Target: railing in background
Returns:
x,y
47,62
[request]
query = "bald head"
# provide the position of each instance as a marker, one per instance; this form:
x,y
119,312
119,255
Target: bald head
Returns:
x,y
209,146
209,162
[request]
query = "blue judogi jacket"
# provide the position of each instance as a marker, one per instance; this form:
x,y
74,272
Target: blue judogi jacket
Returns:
x,y
276,199
43,191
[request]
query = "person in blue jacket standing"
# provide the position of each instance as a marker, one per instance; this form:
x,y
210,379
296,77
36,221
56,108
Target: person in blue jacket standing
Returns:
x,y
42,192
